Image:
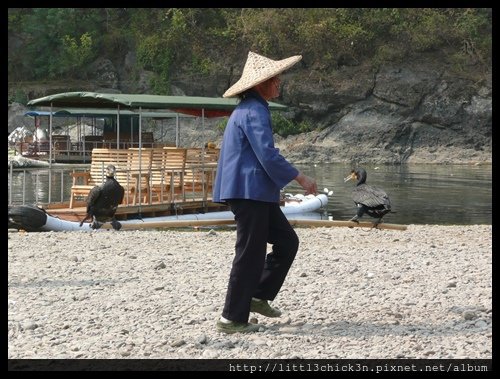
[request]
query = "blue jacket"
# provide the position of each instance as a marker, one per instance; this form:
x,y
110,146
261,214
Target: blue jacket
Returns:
x,y
249,166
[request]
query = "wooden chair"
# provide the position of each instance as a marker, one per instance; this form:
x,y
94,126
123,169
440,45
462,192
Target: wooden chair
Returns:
x,y
84,181
159,185
167,173
139,171
201,165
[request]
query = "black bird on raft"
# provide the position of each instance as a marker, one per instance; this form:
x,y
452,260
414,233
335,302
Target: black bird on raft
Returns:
x,y
103,200
371,200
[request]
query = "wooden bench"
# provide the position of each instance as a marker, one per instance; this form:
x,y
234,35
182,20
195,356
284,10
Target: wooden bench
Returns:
x,y
84,181
139,170
201,166
156,174
167,173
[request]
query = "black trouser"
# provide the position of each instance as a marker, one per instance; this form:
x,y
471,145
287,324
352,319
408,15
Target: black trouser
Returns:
x,y
254,274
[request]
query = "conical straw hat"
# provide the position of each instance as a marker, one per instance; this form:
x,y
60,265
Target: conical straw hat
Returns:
x,y
257,70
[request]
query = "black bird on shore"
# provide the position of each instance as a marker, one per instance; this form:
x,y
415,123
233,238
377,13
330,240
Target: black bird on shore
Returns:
x,y
371,200
103,200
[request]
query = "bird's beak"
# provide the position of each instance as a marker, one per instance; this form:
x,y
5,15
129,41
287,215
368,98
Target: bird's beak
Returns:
x,y
347,178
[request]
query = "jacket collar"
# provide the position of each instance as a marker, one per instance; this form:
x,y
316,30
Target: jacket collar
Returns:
x,y
251,94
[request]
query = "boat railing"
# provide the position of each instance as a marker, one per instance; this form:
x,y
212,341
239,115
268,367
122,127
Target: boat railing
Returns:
x,y
35,185
164,180
65,150
199,180
126,144
44,186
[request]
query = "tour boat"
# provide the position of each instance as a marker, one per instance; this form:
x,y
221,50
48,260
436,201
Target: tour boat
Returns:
x,y
32,218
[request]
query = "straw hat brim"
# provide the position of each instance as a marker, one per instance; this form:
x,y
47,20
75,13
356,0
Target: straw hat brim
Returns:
x,y
257,70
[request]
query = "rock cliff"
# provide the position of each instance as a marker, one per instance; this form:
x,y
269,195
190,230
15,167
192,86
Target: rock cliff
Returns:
x,y
417,112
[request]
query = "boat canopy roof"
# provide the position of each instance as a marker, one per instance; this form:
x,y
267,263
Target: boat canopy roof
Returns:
x,y
192,105
87,112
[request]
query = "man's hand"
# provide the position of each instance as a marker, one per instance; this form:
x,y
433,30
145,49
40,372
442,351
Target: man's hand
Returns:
x,y
308,183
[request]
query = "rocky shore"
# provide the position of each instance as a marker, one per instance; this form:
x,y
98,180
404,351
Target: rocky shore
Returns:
x,y
351,293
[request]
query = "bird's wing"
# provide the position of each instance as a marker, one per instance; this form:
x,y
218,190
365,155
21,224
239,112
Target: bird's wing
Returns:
x,y
370,196
121,192
116,192
94,194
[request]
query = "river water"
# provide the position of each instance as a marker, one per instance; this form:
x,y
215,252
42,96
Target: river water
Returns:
x,y
420,194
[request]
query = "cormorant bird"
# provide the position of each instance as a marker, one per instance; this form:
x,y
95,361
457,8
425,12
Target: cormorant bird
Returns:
x,y
371,200
103,201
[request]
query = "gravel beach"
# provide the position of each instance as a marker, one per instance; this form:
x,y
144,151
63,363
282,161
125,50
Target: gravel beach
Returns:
x,y
351,293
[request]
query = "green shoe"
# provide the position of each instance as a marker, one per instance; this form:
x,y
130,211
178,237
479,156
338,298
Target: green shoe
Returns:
x,y
263,307
237,327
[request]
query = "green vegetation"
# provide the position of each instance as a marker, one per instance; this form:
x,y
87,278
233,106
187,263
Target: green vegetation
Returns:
x,y
281,125
61,43
285,127
221,124
19,97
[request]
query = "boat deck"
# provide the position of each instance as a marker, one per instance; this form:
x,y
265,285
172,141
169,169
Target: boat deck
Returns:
x,y
127,212
157,182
